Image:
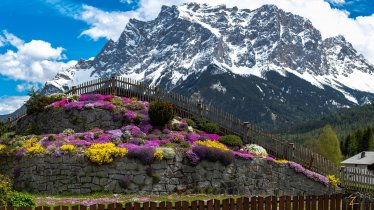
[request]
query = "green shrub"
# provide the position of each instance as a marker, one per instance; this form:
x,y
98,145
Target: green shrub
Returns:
x,y
38,102
31,129
191,123
21,199
231,140
5,189
161,112
211,127
185,144
199,122
3,128
57,96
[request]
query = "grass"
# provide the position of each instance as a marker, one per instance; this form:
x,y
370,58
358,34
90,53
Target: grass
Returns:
x,y
102,198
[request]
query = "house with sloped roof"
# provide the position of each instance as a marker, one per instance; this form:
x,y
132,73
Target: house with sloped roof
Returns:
x,y
362,160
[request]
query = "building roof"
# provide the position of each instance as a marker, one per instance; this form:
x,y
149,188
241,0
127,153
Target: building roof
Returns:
x,y
368,159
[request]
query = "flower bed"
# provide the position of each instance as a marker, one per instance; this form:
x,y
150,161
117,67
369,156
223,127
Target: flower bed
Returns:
x,y
137,138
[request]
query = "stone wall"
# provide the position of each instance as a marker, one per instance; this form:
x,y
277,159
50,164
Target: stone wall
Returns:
x,y
76,175
79,120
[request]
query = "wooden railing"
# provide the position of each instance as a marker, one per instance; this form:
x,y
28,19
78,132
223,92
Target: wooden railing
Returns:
x,y
187,107
356,179
333,202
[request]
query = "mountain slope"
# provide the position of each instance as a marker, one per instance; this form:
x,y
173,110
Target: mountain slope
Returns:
x,y
265,65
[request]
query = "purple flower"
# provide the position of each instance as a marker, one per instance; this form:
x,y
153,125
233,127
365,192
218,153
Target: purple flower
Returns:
x,y
74,104
144,154
20,152
130,115
46,143
193,157
154,143
129,146
270,158
145,126
80,143
88,136
116,134
91,97
165,131
134,130
243,156
296,167
136,141
109,106
192,137
213,154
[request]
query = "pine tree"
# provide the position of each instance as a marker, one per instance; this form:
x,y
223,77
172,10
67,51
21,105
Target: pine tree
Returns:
x,y
352,147
329,145
371,144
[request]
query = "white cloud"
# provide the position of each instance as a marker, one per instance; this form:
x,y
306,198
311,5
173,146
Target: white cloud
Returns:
x,y
336,2
27,86
127,1
35,61
9,104
329,21
105,24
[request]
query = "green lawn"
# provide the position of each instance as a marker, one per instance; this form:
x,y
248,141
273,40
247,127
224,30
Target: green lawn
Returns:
x,y
70,200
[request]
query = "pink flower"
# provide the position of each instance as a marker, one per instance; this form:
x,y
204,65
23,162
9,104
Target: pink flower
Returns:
x,y
61,103
127,100
130,115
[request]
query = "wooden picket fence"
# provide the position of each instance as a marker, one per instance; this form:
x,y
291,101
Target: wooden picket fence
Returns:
x,y
356,179
187,107
325,202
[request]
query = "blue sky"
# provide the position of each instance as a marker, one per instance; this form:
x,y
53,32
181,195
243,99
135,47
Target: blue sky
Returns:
x,y
40,37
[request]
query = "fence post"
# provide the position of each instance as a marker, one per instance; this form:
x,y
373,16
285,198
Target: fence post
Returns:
x,y
113,90
342,176
200,108
311,161
290,151
246,131
74,90
157,92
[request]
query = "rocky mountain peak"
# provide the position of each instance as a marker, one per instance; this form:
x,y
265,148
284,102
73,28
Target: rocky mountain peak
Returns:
x,y
276,55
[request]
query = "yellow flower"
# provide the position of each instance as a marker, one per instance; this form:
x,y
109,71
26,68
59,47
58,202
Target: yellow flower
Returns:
x,y
68,147
2,148
334,181
104,153
35,149
159,154
30,142
210,143
282,161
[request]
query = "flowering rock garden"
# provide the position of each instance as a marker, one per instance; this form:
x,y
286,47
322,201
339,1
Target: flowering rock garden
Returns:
x,y
150,151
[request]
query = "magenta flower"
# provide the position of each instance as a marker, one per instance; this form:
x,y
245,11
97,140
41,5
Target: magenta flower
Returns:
x,y
130,115
244,156
213,136
61,103
127,100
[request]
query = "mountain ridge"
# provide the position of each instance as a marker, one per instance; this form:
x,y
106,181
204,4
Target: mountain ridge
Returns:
x,y
262,48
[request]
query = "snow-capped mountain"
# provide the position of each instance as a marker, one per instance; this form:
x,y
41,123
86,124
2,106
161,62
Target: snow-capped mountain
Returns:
x,y
265,65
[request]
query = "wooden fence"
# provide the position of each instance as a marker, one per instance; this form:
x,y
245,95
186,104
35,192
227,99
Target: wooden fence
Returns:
x,y
356,179
333,202
187,107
